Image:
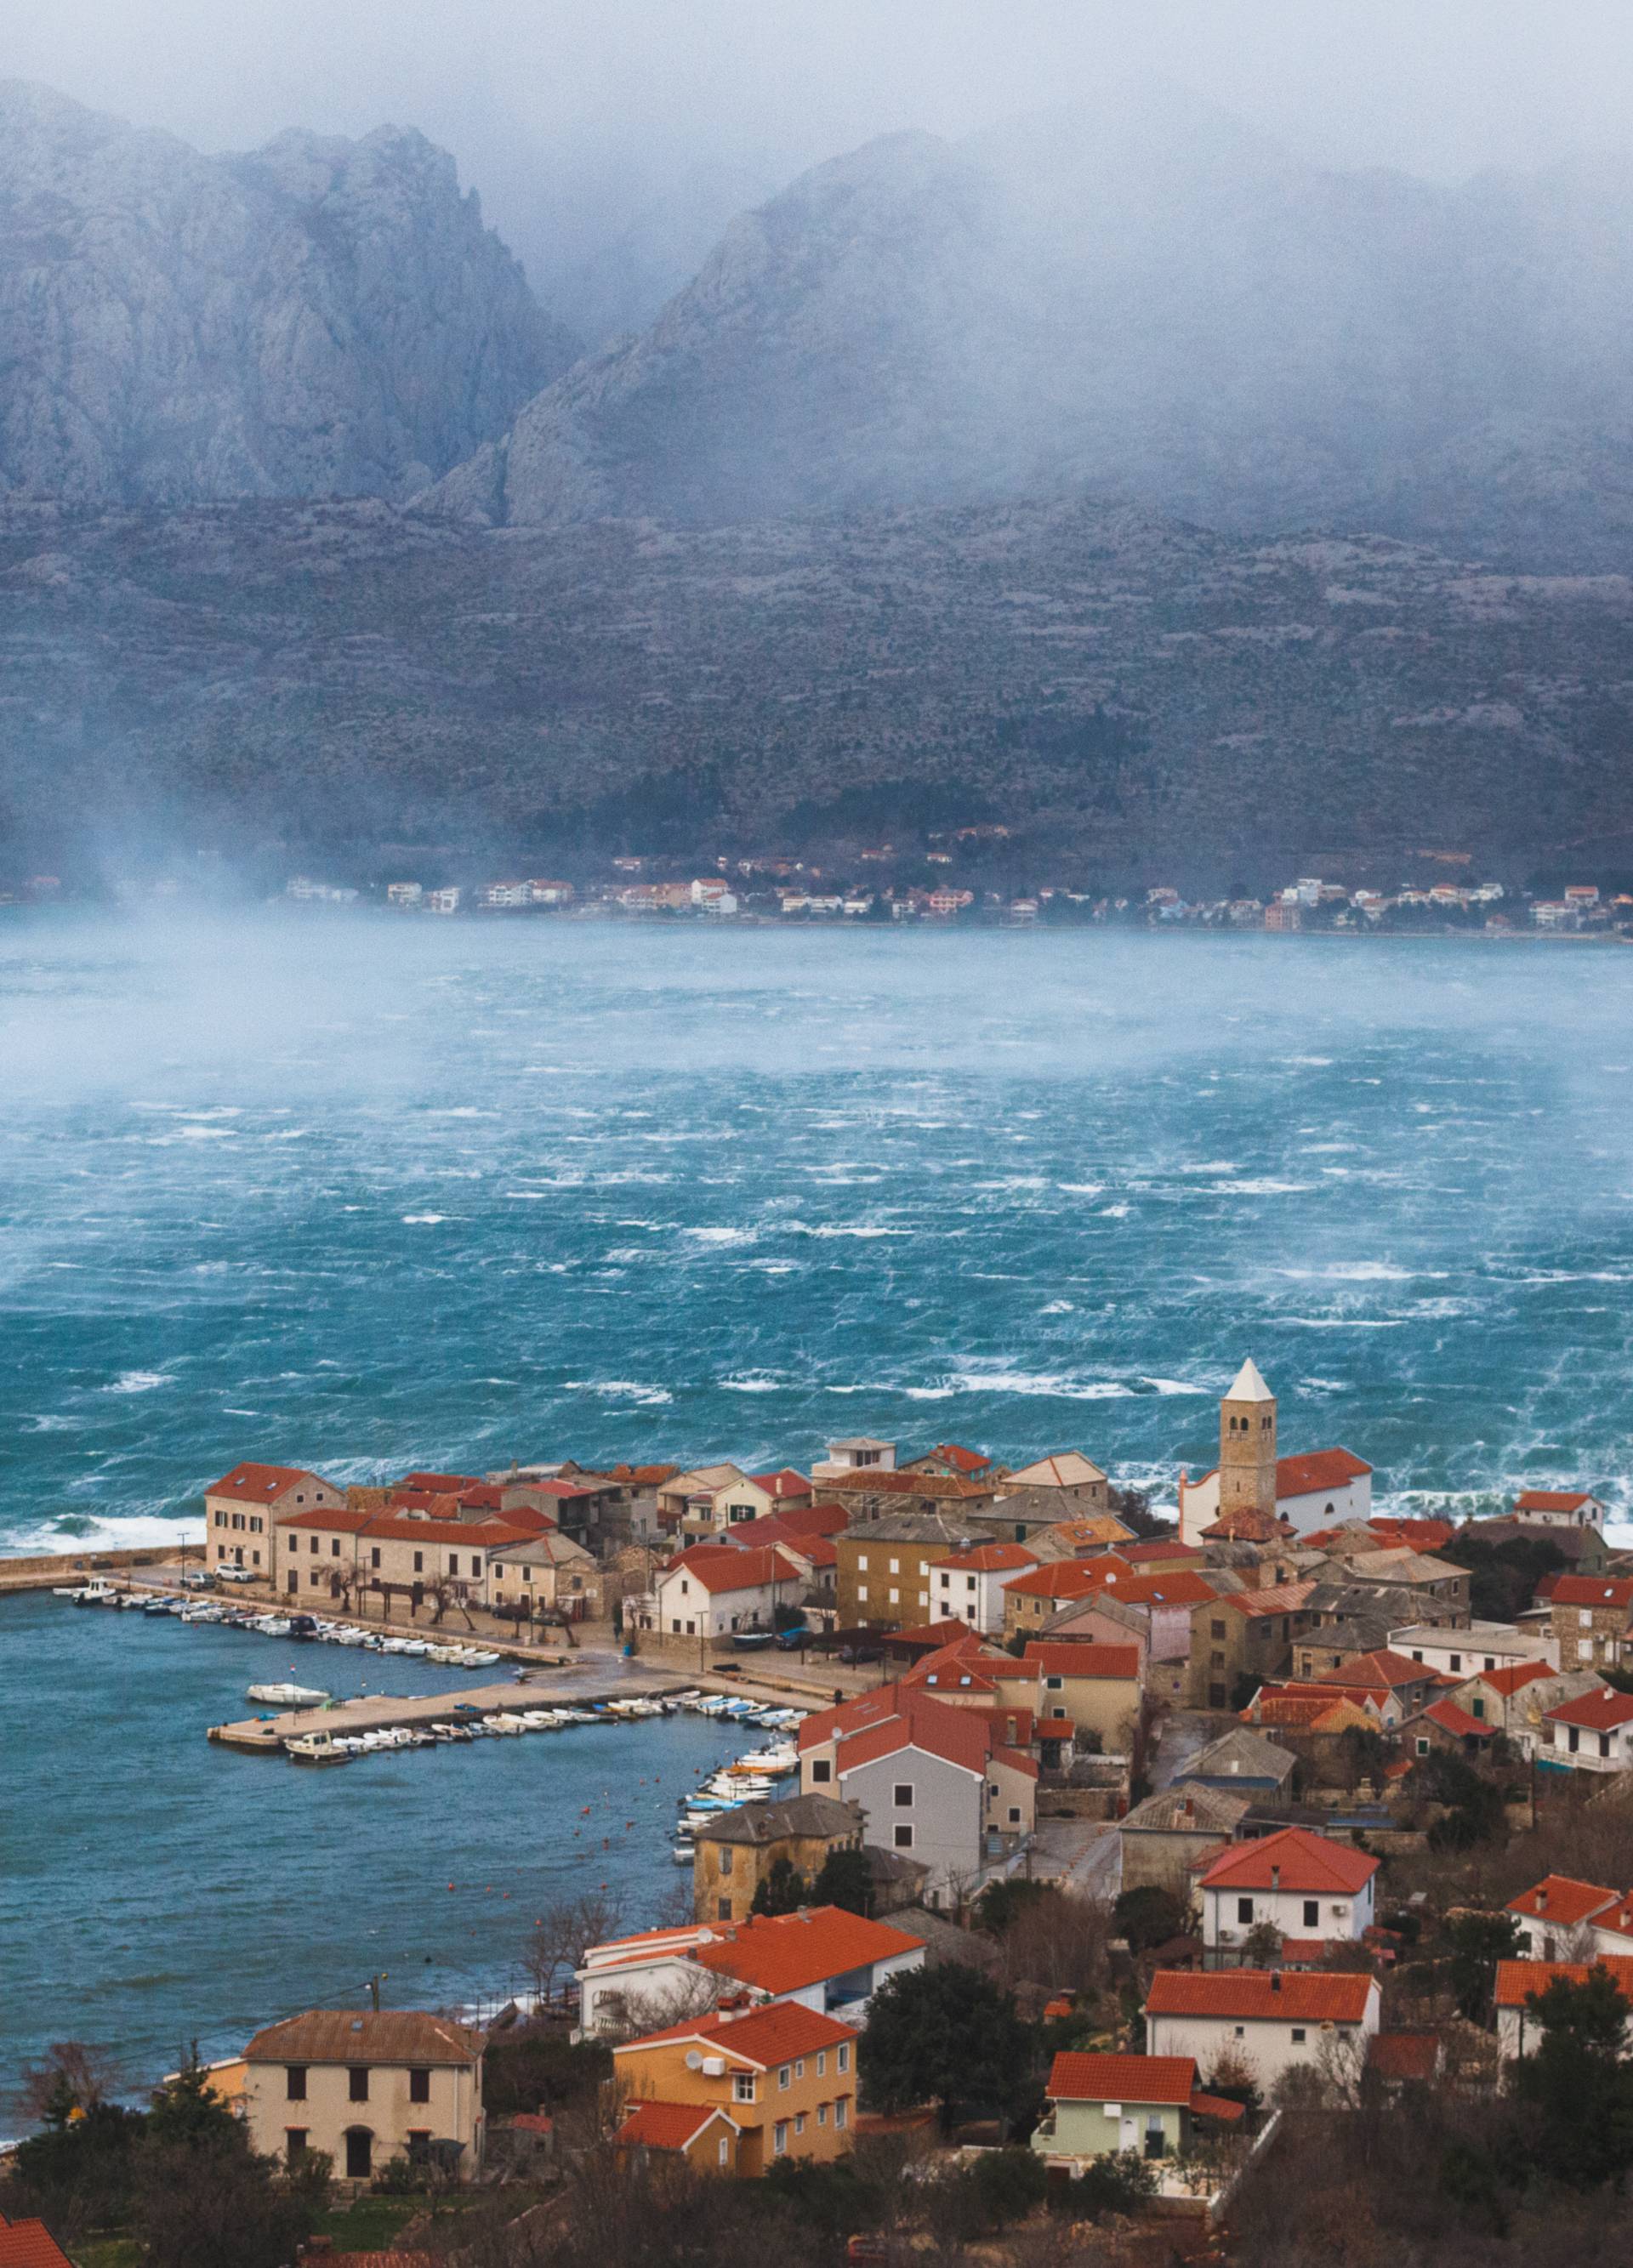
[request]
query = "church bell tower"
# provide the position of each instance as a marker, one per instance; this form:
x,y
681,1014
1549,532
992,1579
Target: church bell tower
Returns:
x,y
1247,1445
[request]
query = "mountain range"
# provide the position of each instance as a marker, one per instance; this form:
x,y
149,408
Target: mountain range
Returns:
x,y
318,317
1118,478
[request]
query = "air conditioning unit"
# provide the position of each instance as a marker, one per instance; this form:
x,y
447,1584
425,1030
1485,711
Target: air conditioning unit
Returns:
x,y
714,2067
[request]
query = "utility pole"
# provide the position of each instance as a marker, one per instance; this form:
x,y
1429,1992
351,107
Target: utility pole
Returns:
x,y
374,1983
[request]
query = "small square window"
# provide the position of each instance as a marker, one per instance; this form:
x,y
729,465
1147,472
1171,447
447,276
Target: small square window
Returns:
x,y
1299,2036
902,1836
902,1794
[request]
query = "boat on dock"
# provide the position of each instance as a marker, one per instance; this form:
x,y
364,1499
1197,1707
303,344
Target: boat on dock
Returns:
x,y
317,1748
286,1696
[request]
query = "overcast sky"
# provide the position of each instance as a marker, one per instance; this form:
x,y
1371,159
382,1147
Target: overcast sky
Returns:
x,y
562,112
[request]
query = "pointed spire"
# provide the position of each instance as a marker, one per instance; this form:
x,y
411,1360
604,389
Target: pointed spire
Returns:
x,y
1249,1385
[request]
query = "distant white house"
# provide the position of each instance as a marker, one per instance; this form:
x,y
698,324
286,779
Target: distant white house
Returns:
x,y
1267,2021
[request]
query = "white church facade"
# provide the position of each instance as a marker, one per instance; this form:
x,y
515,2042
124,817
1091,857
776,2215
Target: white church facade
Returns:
x,y
1322,1489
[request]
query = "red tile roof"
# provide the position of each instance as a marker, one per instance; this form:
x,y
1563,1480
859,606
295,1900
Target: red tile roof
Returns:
x,y
441,1482
1122,2079
483,1534
1254,1995
1318,1469
670,2126
793,1522
1277,1599
263,1483
988,1558
1154,1547
1059,1579
1592,1591
341,1521
30,2245
1404,2055
1552,1501
1217,2106
1080,1658
1561,1898
1458,1721
1421,1535
958,1736
1597,1713
1179,1587
1295,1860
1382,1667
783,1952
1517,1980
724,1567
1515,1676
962,1461
784,1481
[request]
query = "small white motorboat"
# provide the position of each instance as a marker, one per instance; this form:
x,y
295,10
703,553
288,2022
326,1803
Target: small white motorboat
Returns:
x,y
287,1696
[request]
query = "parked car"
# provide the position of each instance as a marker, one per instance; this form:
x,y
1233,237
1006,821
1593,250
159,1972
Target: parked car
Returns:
x,y
238,1575
197,1579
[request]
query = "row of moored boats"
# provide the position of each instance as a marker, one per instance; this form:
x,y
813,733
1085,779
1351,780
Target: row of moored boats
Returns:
x,y
227,1617
757,1774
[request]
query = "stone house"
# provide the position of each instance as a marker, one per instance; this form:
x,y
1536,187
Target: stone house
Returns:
x,y
884,1567
1163,1837
735,1851
241,1508
548,1570
1073,1481
367,2086
1590,1621
714,1589
1244,1762
1242,1635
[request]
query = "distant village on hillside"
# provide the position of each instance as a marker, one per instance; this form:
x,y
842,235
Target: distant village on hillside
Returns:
x,y
1101,1857
785,890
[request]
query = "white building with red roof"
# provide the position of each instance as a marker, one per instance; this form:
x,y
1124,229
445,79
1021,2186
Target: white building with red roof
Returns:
x,y
968,1587
714,1589
822,1958
1269,2021
1518,2027
1310,1890
1594,1733
1557,1918
1560,1508
1323,1487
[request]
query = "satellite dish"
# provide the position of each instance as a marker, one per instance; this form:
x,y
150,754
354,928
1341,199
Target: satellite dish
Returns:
x,y
694,2061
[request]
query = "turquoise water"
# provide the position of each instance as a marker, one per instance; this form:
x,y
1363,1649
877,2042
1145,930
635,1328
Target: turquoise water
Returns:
x,y
366,1194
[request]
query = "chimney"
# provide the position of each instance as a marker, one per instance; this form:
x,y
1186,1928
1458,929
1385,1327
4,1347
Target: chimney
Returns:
x,y
1541,1901
1190,1806
1275,1980
1276,1878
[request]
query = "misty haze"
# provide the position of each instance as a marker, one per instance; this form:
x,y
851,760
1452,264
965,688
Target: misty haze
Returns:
x,y
816,839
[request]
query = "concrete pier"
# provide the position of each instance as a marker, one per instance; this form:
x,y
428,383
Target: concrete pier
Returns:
x,y
384,1713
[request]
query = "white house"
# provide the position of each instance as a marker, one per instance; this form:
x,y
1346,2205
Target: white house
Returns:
x,y
1310,1890
716,1588
1268,2020
1517,2028
820,1957
1594,1733
856,1454
1483,1645
1327,1488
1559,1508
969,1585
1560,1918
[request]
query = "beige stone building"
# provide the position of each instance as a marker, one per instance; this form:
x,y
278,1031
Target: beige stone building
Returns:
x,y
549,1570
735,1854
241,1508
1592,1621
883,1567
1075,1482
367,2086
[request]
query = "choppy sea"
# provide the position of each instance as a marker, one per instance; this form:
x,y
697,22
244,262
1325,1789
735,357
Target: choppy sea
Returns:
x,y
365,1193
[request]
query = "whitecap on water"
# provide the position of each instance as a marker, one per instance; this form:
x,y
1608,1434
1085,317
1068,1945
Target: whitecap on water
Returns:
x,y
138,1382
1261,1188
424,1219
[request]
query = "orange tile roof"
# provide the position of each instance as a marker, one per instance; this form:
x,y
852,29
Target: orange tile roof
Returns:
x,y
1553,1500
338,1518
962,1461
1515,1676
1458,1721
1181,1586
986,1557
1153,1548
1080,1658
393,1529
263,1483
30,2245
1563,1899
440,1483
1058,1579
958,1736
1122,2079
761,2036
670,2126
1262,1994
1277,1599
783,1952
1517,1980
365,2036
1294,1859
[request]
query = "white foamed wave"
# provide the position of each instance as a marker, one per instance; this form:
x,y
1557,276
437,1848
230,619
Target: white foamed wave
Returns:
x,y
1342,1322
424,1219
928,1393
754,1382
139,1381
1172,1386
1042,1385
1212,1165
1079,1188
720,1236
1364,1271
1057,1308
1115,1213
1259,1186
621,1389
864,1229
51,1425
89,1532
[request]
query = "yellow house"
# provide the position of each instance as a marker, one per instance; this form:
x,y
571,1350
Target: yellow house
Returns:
x,y
1097,1686
784,2076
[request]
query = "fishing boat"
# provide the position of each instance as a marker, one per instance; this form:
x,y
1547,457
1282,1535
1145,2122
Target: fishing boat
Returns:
x,y
287,1696
685,1851
91,1595
315,1749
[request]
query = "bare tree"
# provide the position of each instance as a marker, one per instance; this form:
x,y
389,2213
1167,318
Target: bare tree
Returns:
x,y
72,2075
560,1936
444,1592
694,1994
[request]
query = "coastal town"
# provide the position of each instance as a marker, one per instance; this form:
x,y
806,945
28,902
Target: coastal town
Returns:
x,y
1116,1873
787,890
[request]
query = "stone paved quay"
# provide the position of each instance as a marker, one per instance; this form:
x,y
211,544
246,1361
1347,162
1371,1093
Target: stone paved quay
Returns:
x,y
380,1712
